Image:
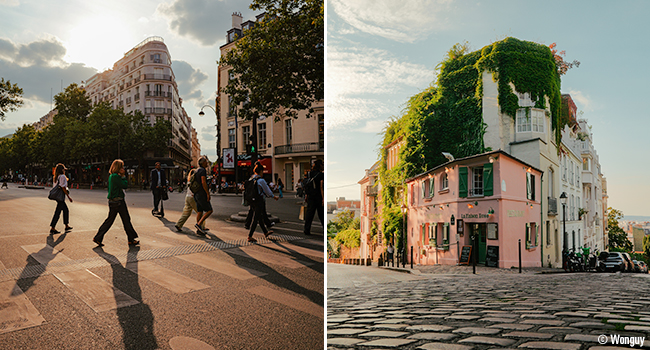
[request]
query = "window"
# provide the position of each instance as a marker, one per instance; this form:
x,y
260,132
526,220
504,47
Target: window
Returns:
x,y
530,186
548,232
477,181
433,233
432,188
585,164
523,121
444,182
577,175
423,234
287,124
538,120
531,235
261,131
231,138
571,172
425,188
530,119
246,134
551,193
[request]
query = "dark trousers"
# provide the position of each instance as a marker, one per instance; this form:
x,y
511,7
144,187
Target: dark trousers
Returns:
x,y
122,209
251,213
259,213
313,207
60,207
157,195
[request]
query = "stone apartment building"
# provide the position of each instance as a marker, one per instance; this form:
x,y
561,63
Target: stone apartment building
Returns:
x,y
287,147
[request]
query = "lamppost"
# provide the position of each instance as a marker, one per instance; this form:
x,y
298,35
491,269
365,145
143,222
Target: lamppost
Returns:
x,y
218,146
563,198
403,252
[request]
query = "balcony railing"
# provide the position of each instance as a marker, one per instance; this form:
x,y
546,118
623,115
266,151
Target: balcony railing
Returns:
x,y
552,206
157,77
128,100
136,96
372,190
157,110
300,148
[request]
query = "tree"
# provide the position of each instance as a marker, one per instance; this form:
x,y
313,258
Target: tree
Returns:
x,y
617,237
10,97
73,103
277,68
562,65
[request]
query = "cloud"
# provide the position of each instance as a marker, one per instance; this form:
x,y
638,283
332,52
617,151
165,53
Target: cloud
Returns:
x,y
373,126
39,69
361,82
188,80
207,133
582,100
11,3
204,21
404,21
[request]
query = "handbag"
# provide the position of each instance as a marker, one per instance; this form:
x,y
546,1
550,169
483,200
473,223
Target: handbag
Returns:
x,y
56,194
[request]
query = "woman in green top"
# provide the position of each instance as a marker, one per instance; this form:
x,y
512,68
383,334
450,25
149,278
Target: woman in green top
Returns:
x,y
117,182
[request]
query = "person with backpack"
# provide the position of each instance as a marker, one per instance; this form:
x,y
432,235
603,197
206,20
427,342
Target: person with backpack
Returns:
x,y
251,211
255,189
190,204
314,196
201,196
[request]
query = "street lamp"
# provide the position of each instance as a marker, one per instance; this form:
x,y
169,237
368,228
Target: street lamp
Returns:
x,y
218,146
405,209
563,198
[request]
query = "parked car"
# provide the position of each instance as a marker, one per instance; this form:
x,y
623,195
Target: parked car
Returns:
x,y
644,267
616,262
637,266
630,264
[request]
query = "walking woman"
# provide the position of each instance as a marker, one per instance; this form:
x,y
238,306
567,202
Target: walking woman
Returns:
x,y
117,182
259,206
61,180
190,204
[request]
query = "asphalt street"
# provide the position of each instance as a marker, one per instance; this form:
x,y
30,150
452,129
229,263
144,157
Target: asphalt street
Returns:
x,y
174,291
391,309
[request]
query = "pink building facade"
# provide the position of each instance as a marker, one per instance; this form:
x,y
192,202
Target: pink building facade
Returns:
x,y
492,197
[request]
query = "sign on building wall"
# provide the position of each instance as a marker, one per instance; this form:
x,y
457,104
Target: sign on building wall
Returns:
x,y
229,158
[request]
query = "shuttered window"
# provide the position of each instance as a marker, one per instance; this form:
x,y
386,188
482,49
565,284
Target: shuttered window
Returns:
x,y
462,182
488,179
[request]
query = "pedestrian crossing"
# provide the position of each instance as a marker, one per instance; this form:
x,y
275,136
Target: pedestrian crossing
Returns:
x,y
17,312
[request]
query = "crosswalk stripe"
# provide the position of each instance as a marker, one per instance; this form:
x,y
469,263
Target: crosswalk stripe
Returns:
x,y
45,254
296,249
275,259
94,291
2,266
289,300
164,277
16,311
228,268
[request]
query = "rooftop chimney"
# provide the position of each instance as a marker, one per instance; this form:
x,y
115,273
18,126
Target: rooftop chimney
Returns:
x,y
236,20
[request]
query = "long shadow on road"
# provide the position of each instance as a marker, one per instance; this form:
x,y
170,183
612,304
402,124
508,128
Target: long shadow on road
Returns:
x,y
29,275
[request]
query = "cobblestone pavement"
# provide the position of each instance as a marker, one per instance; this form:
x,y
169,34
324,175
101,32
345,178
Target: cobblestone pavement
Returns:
x,y
486,311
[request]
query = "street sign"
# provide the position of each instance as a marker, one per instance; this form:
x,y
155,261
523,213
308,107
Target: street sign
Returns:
x,y
229,158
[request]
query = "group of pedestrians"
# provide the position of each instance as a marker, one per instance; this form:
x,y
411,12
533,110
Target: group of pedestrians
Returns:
x,y
197,199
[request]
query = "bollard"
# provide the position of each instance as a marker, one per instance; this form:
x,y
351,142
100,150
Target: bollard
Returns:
x,y
411,257
520,255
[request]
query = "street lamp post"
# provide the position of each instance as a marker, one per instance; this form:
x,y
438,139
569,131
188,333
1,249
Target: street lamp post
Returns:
x,y
563,198
403,252
218,146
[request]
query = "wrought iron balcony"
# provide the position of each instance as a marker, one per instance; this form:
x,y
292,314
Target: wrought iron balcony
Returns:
x,y
300,148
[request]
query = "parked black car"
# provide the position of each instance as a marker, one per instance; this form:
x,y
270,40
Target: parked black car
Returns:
x,y
616,262
630,264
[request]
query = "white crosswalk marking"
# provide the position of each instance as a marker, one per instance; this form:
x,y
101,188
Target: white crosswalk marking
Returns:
x,y
289,300
253,252
16,311
164,277
94,291
228,268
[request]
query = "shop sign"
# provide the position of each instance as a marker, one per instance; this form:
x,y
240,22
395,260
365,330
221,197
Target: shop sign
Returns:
x,y
474,216
229,158
515,213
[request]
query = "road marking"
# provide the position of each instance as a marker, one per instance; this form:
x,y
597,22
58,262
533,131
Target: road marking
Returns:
x,y
276,259
184,237
45,254
16,311
2,266
164,277
94,291
228,268
289,300
295,249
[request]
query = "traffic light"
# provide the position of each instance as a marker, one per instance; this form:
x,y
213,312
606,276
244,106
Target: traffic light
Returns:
x,y
250,149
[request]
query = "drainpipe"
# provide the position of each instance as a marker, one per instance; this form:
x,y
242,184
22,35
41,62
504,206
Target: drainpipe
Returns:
x,y
541,217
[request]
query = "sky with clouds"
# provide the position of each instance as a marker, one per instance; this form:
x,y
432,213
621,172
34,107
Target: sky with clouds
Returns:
x,y
46,45
381,52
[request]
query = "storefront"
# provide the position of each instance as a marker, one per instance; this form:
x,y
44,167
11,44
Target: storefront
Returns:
x,y
480,207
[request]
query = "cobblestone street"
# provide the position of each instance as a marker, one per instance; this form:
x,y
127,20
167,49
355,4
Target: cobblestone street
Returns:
x,y
490,310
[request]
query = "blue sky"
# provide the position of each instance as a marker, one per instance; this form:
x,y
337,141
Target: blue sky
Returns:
x,y
48,44
379,53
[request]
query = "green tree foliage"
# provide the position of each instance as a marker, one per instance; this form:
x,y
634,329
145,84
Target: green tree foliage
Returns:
x,y
350,238
344,220
617,237
277,67
73,103
646,248
10,97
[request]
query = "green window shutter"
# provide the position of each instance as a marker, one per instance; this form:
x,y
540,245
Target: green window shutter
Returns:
x,y
532,187
527,186
431,188
488,180
424,189
462,182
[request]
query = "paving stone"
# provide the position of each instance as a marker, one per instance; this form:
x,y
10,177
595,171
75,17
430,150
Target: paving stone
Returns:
x,y
462,317
529,335
592,325
387,334
393,320
338,319
572,314
516,326
345,331
343,341
388,326
367,320
443,346
495,319
583,338
637,328
537,316
488,341
544,322
388,343
550,345
477,330
433,336
429,327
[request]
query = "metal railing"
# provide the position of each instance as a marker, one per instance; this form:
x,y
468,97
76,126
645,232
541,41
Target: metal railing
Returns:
x,y
156,77
300,147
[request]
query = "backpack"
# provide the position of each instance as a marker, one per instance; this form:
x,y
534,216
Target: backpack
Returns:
x,y
251,193
195,186
309,186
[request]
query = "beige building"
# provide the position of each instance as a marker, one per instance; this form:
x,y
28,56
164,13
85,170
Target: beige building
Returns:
x,y
143,81
45,120
196,149
286,147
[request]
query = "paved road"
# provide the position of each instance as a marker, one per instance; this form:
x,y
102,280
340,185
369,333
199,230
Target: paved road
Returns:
x,y
486,311
175,291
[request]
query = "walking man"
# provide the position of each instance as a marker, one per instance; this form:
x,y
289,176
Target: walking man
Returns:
x,y
158,183
314,195
202,197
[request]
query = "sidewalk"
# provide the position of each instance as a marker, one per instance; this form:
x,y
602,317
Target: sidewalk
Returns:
x,y
467,270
